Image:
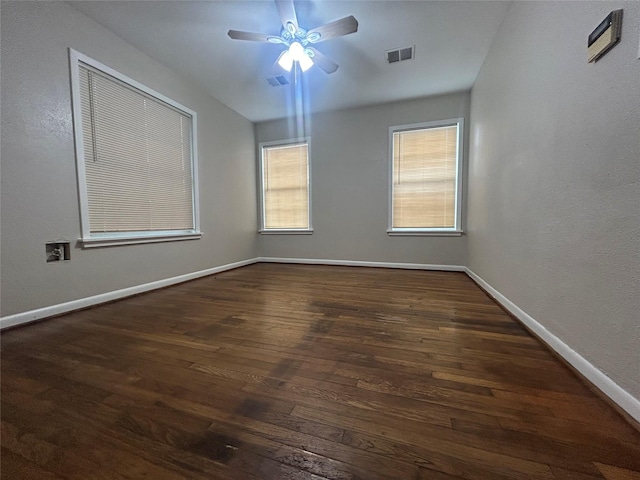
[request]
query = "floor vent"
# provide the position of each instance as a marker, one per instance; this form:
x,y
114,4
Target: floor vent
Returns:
x,y
278,81
399,54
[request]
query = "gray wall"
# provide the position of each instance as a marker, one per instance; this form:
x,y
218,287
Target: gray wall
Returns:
x,y
349,153
554,200
39,189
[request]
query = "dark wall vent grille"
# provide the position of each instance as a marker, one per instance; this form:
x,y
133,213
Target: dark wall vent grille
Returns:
x,y
278,81
399,54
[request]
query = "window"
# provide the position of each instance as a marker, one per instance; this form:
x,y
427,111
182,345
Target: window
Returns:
x,y
136,159
284,172
425,178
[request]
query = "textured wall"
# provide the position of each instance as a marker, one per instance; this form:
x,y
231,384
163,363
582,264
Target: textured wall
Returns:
x,y
39,188
554,200
349,153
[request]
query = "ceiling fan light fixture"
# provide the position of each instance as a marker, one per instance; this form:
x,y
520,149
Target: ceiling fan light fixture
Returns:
x,y
296,51
286,60
305,62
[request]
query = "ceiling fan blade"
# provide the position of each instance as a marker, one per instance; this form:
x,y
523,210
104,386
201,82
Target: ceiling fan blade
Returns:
x,y
322,61
253,37
287,15
341,27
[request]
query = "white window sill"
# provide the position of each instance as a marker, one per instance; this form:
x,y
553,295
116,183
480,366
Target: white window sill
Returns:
x,y
425,233
133,239
285,232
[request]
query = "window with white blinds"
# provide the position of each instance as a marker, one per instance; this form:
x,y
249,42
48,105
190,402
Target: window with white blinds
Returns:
x,y
135,156
285,187
425,168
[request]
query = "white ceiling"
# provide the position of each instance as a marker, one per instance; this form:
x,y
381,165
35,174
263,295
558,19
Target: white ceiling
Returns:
x,y
451,40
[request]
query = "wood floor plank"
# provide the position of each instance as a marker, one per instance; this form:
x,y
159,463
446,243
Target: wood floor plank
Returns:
x,y
15,466
516,467
615,473
301,372
313,454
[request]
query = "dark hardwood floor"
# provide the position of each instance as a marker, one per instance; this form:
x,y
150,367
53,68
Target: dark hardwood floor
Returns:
x,y
301,372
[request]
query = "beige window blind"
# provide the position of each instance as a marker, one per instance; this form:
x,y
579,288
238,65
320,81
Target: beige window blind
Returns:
x,y
285,183
137,157
424,178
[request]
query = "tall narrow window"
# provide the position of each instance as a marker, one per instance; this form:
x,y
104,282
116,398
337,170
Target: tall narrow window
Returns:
x,y
136,159
425,169
285,187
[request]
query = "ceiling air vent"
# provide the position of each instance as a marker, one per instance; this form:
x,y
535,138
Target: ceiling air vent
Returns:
x,y
278,80
399,54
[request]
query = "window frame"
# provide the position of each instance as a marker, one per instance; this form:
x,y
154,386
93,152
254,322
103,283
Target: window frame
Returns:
x,y
456,230
284,231
89,240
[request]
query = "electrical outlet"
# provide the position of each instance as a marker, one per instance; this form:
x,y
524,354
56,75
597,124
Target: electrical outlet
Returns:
x,y
57,251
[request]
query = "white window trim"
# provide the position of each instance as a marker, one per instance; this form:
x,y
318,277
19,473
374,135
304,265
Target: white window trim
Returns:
x,y
286,231
439,232
89,240
283,231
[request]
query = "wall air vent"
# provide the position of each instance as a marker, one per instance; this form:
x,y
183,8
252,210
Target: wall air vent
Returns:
x,y
399,54
278,81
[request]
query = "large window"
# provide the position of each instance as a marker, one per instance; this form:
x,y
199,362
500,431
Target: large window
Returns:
x,y
136,159
284,171
425,178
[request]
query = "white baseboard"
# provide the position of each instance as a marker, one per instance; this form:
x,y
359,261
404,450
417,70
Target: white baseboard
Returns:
x,y
360,263
32,315
615,392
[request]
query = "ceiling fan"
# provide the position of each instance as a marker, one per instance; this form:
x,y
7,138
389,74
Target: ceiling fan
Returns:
x,y
299,42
